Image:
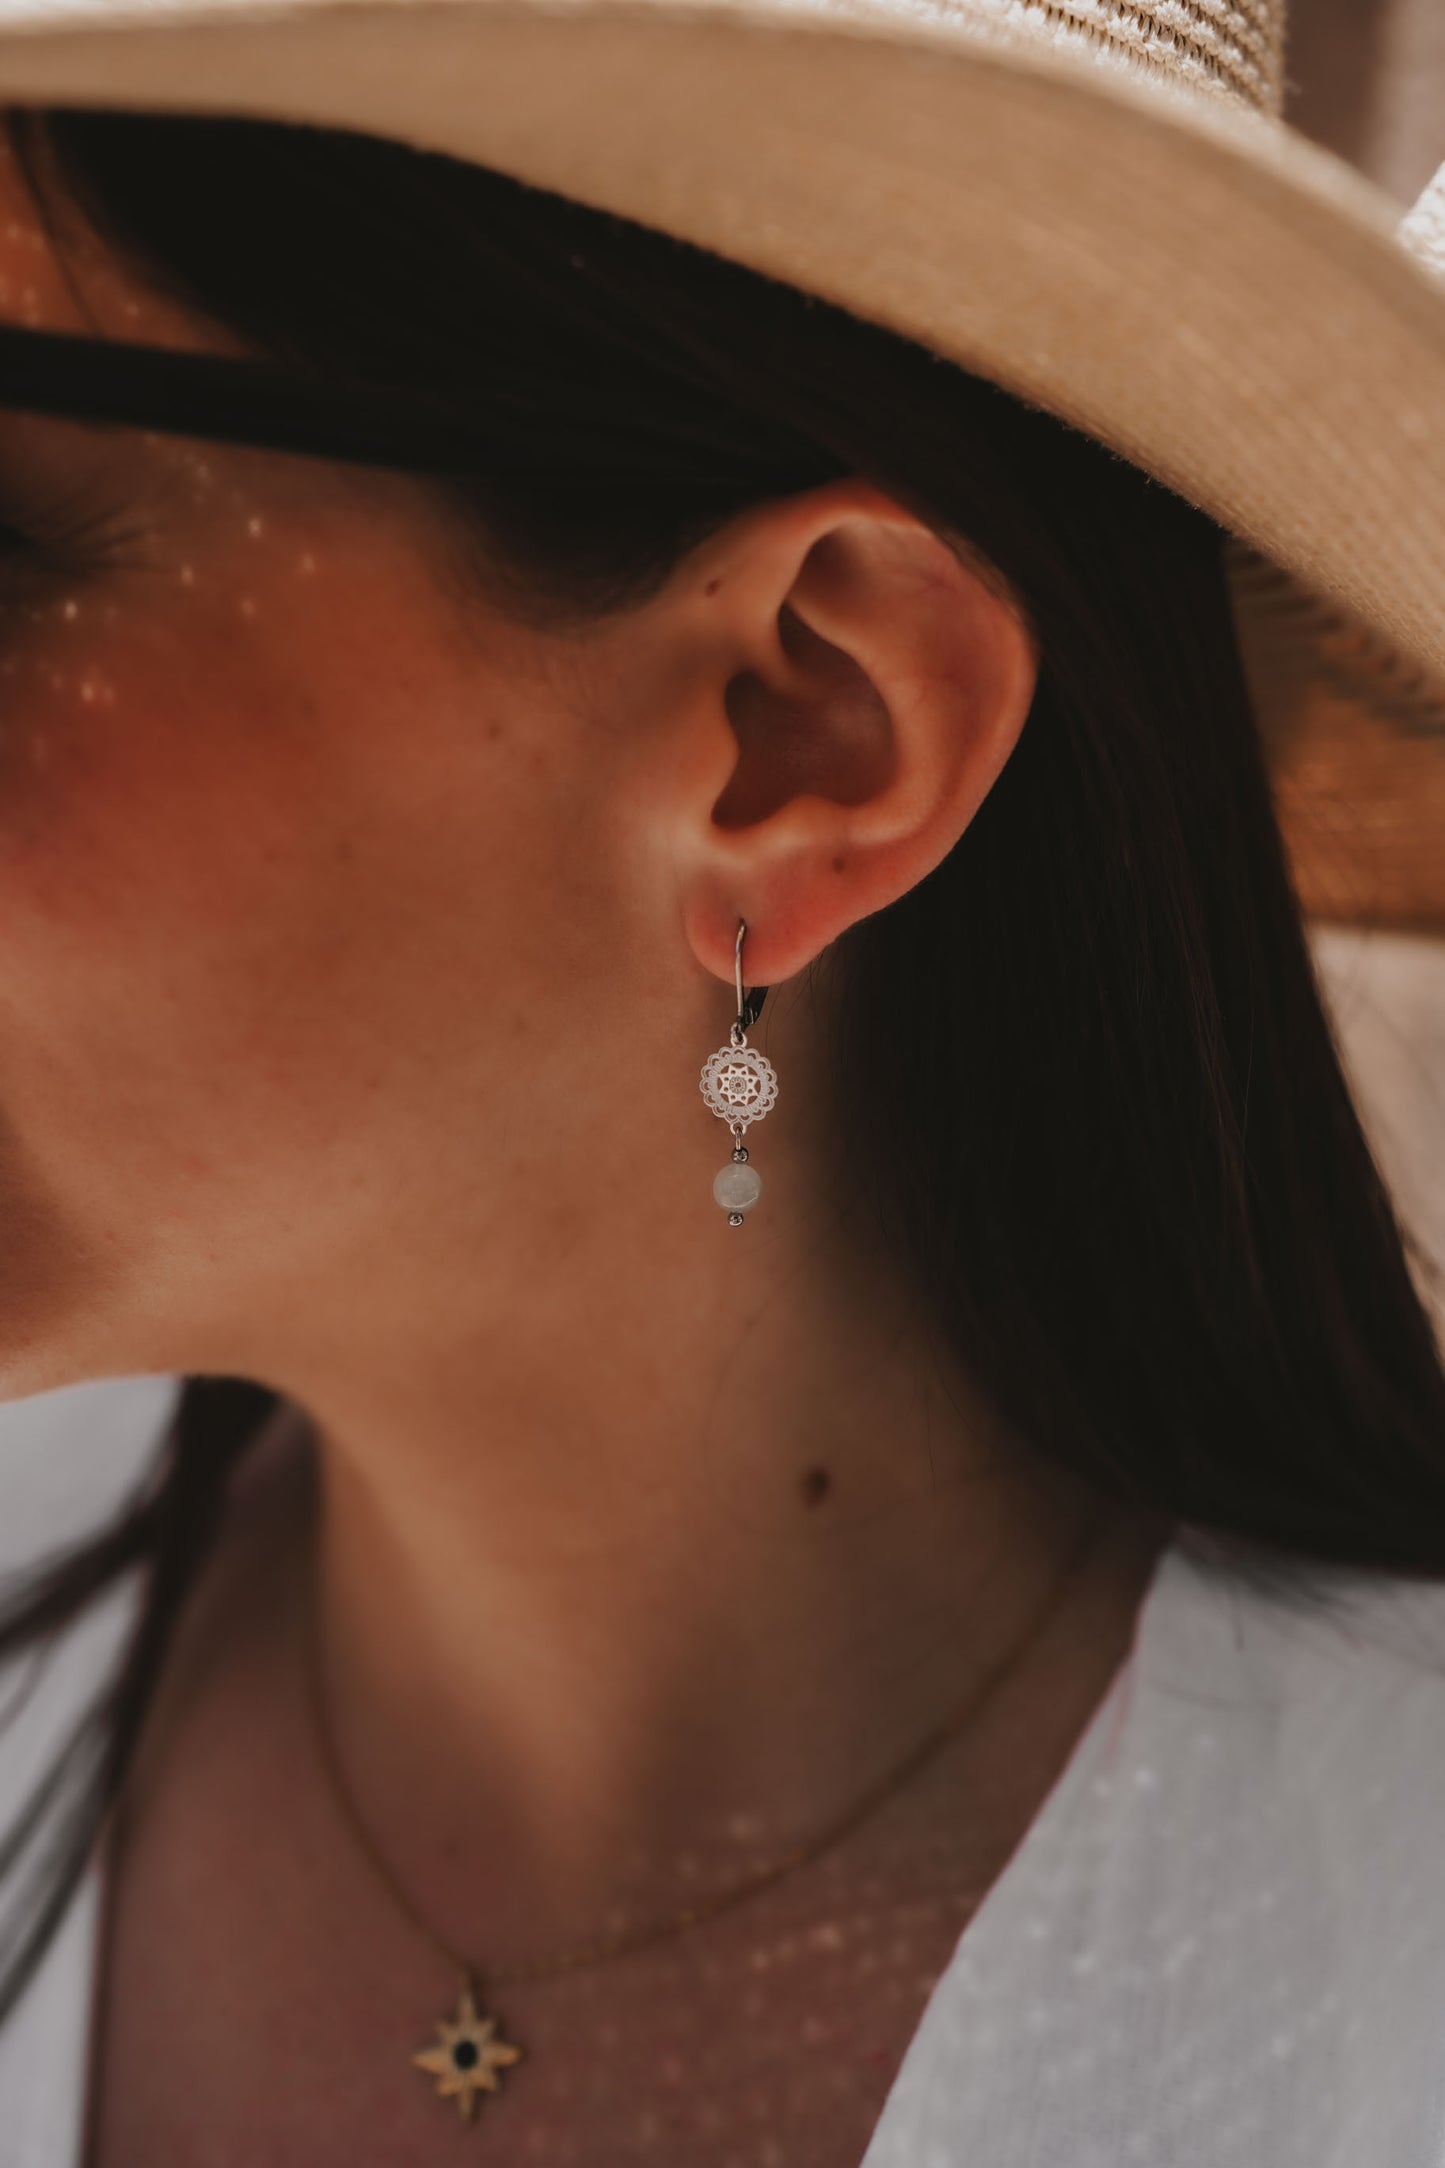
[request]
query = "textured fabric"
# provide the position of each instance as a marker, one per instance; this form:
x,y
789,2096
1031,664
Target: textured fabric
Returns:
x,y
1234,46
43,2049
68,1461
1221,1944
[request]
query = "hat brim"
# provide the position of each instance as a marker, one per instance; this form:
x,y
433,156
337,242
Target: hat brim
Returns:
x,y
1201,288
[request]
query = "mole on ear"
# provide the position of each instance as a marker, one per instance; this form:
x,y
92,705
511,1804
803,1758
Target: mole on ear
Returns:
x,y
816,1485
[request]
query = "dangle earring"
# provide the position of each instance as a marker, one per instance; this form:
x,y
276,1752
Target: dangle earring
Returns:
x,y
739,1085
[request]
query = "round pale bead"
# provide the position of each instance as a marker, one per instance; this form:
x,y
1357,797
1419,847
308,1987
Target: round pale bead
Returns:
x,y
737,1186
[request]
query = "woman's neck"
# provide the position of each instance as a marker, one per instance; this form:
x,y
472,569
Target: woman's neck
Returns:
x,y
633,1609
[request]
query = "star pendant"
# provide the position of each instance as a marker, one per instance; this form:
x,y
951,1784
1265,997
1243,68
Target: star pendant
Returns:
x,y
469,2056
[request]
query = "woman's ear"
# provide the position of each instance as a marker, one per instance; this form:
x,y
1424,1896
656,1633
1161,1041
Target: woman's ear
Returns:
x,y
855,687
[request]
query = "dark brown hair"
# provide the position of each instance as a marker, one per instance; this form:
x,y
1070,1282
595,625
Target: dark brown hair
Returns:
x,y
1085,1089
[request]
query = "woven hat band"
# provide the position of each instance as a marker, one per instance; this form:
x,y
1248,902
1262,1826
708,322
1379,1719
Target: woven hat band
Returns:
x,y
1231,47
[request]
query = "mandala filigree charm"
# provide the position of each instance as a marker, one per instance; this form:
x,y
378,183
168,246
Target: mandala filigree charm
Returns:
x,y
739,1085
469,2056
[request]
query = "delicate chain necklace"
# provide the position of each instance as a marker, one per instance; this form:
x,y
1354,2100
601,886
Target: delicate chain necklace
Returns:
x,y
470,2050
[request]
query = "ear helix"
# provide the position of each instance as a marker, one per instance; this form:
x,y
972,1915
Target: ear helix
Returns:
x,y
739,1085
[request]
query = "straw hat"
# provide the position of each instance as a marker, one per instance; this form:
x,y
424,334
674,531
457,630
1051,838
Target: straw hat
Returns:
x,y
1095,203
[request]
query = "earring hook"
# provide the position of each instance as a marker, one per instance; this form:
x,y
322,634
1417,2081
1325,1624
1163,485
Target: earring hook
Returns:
x,y
750,1006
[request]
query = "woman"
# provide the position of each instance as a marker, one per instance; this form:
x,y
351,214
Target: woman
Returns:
x,y
904,1660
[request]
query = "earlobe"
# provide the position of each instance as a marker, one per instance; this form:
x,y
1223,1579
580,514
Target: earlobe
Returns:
x,y
886,683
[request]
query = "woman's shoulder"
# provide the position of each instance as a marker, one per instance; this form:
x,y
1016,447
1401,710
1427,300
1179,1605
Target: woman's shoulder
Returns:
x,y
69,1462
1279,1794
70,1459
1320,1646
1322,1687
1224,1938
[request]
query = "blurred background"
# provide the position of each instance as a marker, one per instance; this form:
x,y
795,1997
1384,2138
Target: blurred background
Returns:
x,y
1366,78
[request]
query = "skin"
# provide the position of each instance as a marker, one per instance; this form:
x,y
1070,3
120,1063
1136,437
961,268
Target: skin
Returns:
x,y
360,947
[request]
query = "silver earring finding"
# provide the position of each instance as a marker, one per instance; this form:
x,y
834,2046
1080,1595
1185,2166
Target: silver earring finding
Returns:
x,y
739,1085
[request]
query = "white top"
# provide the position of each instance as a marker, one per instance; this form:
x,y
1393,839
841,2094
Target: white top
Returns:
x,y
1221,1944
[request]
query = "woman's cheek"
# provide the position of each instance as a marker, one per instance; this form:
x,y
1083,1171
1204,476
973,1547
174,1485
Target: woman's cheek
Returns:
x,y
112,778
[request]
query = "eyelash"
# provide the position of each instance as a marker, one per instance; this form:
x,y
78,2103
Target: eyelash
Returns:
x,y
70,545
14,539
